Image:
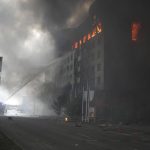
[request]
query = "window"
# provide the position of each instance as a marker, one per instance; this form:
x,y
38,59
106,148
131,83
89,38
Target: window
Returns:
x,y
71,66
89,36
99,28
79,57
68,59
84,39
92,56
98,80
71,57
98,54
94,32
78,68
76,45
71,77
98,67
78,80
93,70
135,28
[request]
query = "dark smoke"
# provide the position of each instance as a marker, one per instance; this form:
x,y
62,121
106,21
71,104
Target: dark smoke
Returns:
x,y
59,17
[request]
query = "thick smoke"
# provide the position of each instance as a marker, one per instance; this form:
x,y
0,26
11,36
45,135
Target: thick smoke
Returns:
x,y
24,46
58,16
29,39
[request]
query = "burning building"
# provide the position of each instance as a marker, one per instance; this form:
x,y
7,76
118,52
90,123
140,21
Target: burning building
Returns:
x,y
109,61
111,58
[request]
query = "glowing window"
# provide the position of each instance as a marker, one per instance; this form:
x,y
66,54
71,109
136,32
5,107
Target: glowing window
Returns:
x,y
84,39
99,28
94,32
80,42
89,36
135,28
76,45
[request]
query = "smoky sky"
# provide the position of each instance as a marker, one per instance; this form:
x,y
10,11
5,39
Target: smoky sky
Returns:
x,y
31,35
58,14
58,17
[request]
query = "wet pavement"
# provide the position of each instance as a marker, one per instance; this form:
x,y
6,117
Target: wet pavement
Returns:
x,y
49,134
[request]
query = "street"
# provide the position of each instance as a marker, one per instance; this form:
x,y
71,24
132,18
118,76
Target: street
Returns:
x,y
49,134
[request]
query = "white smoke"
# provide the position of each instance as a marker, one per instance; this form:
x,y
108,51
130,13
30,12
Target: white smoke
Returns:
x,y
26,47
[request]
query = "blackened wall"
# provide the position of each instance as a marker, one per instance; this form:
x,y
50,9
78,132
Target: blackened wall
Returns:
x,y
127,63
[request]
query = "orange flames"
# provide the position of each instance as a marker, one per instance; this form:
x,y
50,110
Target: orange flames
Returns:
x,y
99,28
76,45
80,42
135,30
89,36
96,30
84,39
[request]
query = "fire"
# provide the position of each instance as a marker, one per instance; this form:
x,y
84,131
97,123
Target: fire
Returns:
x,y
80,42
99,28
96,30
76,45
84,39
89,36
135,30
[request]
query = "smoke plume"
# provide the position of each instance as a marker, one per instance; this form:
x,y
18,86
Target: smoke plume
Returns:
x,y
30,30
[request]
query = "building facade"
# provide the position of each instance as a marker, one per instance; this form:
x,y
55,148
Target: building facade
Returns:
x,y
126,66
66,70
110,57
111,52
89,59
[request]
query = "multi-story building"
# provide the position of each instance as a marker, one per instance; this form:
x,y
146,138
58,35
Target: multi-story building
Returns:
x,y
110,56
89,62
61,71
111,50
66,69
126,66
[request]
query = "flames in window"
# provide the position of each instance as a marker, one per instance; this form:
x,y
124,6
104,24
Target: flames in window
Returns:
x,y
99,28
80,42
135,28
96,30
89,36
76,45
84,39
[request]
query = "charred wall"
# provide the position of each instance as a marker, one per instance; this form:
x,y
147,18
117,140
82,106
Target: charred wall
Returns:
x,y
126,62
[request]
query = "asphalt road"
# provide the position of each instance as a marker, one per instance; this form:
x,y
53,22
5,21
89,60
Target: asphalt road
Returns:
x,y
47,134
